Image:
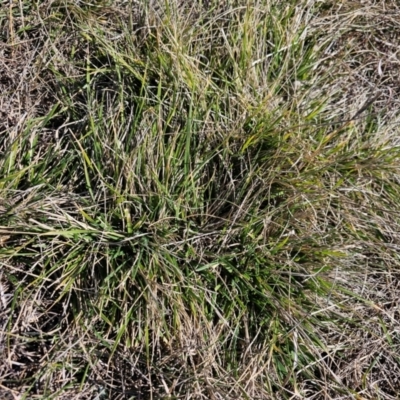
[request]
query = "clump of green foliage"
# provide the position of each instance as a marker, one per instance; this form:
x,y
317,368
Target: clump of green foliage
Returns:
x,y
192,207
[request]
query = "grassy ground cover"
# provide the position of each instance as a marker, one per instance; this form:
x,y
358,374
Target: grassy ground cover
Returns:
x,y
199,200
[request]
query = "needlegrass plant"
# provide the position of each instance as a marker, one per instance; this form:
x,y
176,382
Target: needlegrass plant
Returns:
x,y
199,200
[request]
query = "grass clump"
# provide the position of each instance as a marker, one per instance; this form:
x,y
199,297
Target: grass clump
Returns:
x,y
197,201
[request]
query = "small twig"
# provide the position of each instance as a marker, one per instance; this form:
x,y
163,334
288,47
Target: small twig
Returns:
x,y
366,105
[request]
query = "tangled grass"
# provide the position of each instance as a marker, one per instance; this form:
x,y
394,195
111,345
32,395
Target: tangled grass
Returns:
x,y
199,201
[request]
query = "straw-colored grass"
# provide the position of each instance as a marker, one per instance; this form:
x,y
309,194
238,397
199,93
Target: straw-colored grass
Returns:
x,y
199,200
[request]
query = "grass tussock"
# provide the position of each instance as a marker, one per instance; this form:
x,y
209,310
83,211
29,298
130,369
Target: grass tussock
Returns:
x,y
199,200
